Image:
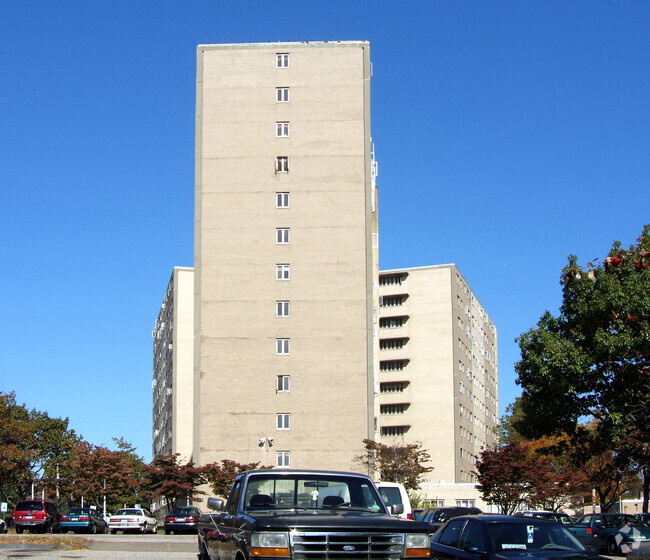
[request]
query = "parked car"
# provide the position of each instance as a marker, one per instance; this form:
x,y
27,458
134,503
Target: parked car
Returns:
x,y
437,516
552,515
182,519
3,526
41,516
132,519
83,519
617,533
495,537
396,498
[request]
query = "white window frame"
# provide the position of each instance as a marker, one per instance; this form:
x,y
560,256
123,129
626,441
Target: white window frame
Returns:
x,y
282,308
282,164
282,199
283,384
283,458
283,346
282,236
282,95
282,272
282,129
283,421
282,60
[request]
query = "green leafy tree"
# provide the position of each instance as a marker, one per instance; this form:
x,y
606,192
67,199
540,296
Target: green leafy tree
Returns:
x,y
221,475
172,481
404,463
592,361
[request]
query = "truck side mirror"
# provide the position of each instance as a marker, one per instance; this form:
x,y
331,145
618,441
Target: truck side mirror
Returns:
x,y
216,504
396,509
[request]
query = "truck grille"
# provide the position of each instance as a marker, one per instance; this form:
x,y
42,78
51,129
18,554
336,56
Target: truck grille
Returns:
x,y
347,546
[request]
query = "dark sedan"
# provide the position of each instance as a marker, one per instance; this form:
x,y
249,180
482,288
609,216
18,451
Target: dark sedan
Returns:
x,y
437,516
182,519
499,537
83,519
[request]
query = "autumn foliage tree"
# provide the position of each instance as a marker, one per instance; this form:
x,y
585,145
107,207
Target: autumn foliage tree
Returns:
x,y
506,476
95,473
404,463
172,480
593,359
221,475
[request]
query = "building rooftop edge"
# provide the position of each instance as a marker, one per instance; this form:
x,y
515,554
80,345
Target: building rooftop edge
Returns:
x,y
278,43
406,268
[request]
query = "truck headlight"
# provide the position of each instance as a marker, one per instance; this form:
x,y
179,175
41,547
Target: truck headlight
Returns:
x,y
269,544
416,545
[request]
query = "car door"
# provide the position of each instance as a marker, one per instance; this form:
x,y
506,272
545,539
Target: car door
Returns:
x,y
598,532
444,545
222,545
473,541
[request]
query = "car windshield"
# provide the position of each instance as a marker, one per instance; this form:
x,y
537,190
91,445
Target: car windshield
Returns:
x,y
507,537
311,491
128,512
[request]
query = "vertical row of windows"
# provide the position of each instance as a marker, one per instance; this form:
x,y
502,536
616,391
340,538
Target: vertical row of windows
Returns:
x,y
282,270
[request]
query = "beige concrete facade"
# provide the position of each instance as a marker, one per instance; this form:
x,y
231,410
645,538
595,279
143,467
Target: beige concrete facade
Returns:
x,y
285,225
438,374
173,371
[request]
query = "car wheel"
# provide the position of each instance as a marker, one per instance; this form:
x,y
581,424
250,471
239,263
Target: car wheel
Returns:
x,y
154,529
167,531
613,549
143,528
113,531
19,530
64,531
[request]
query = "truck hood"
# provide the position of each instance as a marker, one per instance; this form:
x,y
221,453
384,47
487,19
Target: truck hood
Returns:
x,y
319,520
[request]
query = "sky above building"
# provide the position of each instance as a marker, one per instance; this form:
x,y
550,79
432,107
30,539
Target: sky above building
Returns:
x,y
509,135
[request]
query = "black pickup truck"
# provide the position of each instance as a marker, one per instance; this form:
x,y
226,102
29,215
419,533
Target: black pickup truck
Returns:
x,y
307,515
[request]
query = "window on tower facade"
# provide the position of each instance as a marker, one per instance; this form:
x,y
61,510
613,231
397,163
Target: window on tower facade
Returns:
x,y
282,60
282,94
283,458
282,164
282,421
282,129
282,346
282,236
283,383
282,200
282,272
282,308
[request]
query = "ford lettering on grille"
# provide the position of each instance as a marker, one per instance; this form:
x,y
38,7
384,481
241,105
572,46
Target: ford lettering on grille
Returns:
x,y
347,546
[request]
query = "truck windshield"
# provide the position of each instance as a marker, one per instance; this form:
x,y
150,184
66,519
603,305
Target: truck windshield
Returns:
x,y
311,491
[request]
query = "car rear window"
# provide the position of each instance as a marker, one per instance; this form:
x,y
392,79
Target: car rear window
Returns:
x,y
29,506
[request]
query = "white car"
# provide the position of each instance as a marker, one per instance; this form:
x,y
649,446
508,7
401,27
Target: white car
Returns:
x,y
3,526
132,519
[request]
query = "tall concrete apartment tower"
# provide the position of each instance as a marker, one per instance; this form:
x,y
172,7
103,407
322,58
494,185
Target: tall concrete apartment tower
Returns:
x,y
173,371
438,378
285,254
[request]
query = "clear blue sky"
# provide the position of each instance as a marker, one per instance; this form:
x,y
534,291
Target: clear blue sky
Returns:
x,y
508,134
